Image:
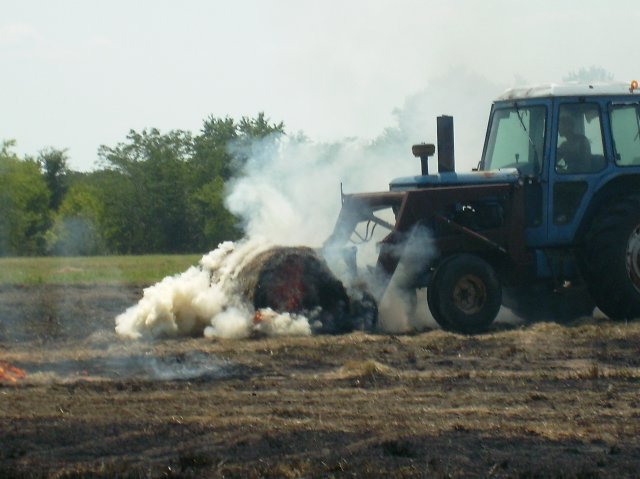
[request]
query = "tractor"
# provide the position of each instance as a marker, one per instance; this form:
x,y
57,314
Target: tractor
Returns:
x,y
548,224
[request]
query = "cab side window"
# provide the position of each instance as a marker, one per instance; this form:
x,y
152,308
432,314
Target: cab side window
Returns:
x,y
579,147
625,127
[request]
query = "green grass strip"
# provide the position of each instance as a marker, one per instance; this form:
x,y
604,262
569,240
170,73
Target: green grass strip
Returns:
x,y
139,270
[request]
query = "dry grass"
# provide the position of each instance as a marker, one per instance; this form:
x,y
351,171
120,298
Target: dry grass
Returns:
x,y
544,400
360,369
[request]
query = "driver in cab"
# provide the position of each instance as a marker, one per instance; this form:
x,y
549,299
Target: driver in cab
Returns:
x,y
574,153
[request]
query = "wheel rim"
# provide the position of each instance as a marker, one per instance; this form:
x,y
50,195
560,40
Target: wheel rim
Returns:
x,y
633,257
470,294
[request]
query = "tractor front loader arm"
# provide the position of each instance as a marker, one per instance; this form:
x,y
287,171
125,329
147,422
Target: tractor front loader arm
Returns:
x,y
441,211
358,208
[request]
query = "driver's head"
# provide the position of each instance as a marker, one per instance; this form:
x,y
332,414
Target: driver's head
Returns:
x,y
566,125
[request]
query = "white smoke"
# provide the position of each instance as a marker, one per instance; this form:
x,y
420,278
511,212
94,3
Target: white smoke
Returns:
x,y
204,301
398,308
460,93
290,193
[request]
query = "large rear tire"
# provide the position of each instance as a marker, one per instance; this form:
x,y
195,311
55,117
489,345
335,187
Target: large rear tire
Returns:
x,y
611,259
433,303
465,294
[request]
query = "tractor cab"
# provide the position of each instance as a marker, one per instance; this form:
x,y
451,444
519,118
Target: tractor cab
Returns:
x,y
567,142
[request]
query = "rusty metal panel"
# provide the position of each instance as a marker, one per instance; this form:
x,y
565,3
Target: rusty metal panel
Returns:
x,y
430,206
435,209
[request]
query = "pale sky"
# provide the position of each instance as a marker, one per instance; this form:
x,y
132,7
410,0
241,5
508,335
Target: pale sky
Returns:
x,y
80,73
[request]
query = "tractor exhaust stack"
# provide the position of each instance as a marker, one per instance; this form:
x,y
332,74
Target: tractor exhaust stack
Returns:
x,y
446,158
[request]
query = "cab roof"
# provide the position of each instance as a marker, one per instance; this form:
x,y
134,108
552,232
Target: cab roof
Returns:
x,y
570,89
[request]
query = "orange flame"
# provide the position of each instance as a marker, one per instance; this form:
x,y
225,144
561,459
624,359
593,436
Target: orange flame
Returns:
x,y
10,374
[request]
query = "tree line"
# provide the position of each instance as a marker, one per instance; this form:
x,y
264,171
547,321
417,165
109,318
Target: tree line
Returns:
x,y
153,193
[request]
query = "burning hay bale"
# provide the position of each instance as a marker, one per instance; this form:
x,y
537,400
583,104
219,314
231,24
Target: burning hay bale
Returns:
x,y
249,288
296,280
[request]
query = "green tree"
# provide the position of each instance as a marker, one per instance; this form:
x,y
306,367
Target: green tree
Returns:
x,y
76,229
55,170
212,222
220,154
115,192
24,205
259,127
223,145
211,158
591,74
153,190
164,192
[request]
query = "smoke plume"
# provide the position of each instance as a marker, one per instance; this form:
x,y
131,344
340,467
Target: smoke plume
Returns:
x,y
204,301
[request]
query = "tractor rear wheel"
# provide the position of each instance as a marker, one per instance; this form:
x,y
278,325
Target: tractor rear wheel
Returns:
x,y
611,259
465,294
432,297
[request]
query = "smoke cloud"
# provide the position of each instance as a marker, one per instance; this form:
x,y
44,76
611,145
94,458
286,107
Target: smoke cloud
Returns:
x,y
204,300
291,193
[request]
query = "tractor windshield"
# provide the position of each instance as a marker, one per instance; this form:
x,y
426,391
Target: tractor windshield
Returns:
x,y
516,139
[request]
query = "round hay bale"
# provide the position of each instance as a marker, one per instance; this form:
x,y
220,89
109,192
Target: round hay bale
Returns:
x,y
297,280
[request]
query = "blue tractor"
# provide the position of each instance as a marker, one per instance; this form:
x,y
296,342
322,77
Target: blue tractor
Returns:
x,y
548,224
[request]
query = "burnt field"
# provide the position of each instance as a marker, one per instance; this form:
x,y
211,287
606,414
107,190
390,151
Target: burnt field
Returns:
x,y
536,400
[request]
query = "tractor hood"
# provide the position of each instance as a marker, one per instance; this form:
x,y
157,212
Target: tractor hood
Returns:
x,y
507,175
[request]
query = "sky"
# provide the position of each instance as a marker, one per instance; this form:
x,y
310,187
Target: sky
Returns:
x,y
78,74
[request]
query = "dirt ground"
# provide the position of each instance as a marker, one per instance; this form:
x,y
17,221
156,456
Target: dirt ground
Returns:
x,y
529,401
